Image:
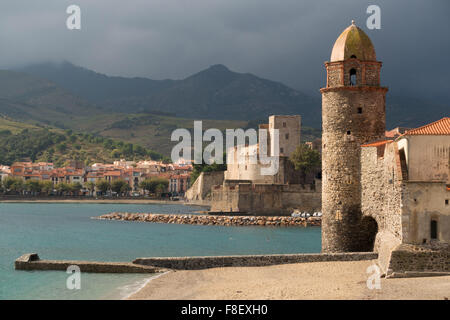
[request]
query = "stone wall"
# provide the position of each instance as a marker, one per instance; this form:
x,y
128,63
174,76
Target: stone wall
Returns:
x,y
289,128
266,199
401,207
200,191
197,263
407,258
381,187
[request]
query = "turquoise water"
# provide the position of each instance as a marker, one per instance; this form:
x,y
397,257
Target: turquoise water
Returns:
x,y
66,231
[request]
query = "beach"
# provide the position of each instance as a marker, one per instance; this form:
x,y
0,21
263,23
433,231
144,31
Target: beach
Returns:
x,y
317,280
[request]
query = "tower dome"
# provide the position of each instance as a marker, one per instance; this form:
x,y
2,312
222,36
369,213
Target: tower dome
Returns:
x,y
353,42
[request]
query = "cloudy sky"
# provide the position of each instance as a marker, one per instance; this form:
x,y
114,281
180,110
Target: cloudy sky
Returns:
x,y
283,40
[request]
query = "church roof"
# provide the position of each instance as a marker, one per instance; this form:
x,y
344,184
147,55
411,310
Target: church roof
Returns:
x,y
440,127
353,42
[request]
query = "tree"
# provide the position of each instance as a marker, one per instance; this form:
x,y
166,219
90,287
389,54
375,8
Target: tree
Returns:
x,y
306,159
75,187
154,185
63,188
115,154
90,185
33,186
62,147
8,182
47,187
12,184
103,186
117,185
125,188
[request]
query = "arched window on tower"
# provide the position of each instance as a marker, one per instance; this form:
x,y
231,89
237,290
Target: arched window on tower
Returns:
x,y
353,77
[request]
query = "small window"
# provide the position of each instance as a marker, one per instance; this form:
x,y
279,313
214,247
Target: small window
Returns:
x,y
353,56
433,229
446,202
349,132
287,136
281,150
359,110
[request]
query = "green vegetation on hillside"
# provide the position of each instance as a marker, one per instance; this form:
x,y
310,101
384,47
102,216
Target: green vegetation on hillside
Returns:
x,y
60,147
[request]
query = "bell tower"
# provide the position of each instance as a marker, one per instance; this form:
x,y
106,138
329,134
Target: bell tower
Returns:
x,y
353,113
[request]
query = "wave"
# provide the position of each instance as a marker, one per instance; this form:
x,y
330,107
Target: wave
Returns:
x,y
128,290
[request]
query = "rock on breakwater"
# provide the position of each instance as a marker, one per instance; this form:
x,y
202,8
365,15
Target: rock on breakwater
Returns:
x,y
213,219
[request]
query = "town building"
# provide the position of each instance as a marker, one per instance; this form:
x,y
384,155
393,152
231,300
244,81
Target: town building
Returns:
x,y
131,172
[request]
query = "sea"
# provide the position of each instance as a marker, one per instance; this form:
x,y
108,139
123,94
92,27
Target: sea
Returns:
x,y
67,231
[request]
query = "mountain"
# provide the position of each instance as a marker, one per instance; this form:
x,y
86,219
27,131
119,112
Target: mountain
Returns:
x,y
29,98
95,87
144,111
214,93
409,111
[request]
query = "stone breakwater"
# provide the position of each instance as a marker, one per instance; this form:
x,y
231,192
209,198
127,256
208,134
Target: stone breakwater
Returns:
x,y
213,220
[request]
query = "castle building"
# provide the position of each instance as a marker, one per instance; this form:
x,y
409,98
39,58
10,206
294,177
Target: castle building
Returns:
x,y
353,113
289,127
244,189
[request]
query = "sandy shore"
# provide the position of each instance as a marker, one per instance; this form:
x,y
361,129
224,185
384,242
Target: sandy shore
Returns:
x,y
318,280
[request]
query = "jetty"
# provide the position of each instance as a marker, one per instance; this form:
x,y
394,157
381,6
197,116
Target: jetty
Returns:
x,y
217,220
31,261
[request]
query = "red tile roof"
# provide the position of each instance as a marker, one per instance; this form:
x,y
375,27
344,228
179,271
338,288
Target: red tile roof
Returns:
x,y
377,143
112,173
440,127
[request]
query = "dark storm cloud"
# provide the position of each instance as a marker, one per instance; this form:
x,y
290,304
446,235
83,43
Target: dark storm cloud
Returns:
x,y
285,40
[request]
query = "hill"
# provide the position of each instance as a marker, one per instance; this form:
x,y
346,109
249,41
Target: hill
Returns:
x,y
53,145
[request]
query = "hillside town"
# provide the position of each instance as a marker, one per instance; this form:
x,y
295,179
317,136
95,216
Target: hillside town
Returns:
x,y
126,178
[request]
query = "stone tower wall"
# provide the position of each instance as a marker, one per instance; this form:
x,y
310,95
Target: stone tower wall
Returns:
x,y
367,73
289,132
351,116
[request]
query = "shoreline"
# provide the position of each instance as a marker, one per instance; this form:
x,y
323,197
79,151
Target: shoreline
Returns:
x,y
121,201
145,282
300,281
